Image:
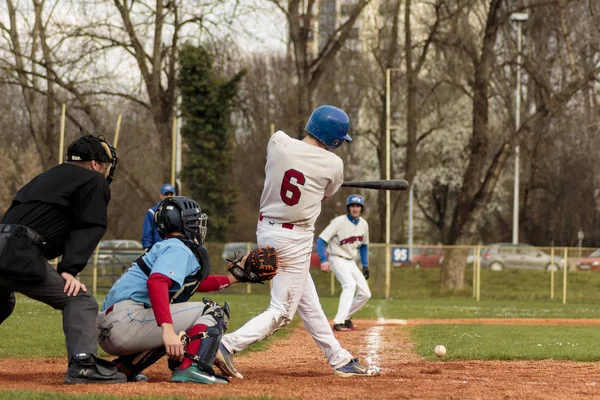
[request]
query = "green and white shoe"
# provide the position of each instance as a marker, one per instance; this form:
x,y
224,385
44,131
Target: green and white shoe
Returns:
x,y
194,374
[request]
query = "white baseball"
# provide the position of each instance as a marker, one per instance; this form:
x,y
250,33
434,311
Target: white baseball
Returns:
x,y
440,350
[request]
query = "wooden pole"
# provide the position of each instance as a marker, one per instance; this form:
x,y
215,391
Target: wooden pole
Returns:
x,y
474,272
332,284
117,131
552,274
174,151
61,140
95,270
248,286
565,267
478,258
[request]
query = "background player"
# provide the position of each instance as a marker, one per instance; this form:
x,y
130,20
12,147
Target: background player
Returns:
x,y
299,175
150,235
346,235
147,307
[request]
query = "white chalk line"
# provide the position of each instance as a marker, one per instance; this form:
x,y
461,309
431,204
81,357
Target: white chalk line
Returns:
x,y
373,344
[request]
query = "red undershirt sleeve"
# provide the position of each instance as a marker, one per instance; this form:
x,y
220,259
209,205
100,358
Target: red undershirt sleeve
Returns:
x,y
158,292
213,283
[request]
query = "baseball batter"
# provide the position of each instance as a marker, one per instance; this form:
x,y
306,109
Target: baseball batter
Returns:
x,y
148,306
299,175
347,235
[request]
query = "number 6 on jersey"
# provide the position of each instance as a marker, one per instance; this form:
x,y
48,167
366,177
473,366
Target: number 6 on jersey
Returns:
x,y
290,192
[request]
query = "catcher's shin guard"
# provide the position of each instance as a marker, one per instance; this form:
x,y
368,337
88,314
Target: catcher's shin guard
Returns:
x,y
202,341
205,355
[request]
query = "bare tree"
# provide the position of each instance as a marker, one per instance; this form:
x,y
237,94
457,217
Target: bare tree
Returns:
x,y
301,16
485,163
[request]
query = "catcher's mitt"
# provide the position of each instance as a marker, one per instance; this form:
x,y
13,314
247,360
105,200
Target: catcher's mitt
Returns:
x,y
261,265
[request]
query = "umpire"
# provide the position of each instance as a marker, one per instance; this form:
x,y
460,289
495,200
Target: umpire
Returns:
x,y
61,212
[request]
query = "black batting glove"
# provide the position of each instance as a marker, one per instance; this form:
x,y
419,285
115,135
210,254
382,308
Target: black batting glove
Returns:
x,y
366,272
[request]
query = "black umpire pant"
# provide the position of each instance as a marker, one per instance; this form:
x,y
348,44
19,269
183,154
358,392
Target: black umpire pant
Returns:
x,y
79,312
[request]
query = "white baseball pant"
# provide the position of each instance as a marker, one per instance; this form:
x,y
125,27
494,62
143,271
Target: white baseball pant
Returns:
x,y
131,328
293,290
353,281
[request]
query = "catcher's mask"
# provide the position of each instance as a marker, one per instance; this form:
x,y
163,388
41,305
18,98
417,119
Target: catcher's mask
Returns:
x,y
89,147
181,214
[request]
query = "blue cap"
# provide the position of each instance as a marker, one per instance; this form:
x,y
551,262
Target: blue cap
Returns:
x,y
167,188
355,199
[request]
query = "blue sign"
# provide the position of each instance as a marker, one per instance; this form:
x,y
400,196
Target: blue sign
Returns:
x,y
400,254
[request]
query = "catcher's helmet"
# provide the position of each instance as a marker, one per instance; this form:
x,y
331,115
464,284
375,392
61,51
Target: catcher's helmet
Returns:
x,y
329,125
355,199
181,214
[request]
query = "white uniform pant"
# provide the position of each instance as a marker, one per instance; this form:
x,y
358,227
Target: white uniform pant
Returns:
x,y
131,328
353,281
293,290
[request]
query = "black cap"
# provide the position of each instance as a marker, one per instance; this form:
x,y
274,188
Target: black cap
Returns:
x,y
87,148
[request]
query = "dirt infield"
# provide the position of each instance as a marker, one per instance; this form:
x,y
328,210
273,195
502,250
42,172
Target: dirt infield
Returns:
x,y
295,368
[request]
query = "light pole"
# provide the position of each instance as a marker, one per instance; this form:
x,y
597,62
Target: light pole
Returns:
x,y
518,18
388,128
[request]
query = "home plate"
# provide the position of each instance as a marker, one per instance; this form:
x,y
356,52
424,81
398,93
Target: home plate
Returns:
x,y
383,321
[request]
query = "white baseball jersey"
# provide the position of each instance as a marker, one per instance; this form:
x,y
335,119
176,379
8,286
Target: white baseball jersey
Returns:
x,y
344,238
297,177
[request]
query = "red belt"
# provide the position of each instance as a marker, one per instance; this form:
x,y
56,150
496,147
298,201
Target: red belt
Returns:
x,y
285,225
108,310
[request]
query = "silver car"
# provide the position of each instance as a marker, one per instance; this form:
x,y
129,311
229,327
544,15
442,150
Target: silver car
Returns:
x,y
117,252
500,256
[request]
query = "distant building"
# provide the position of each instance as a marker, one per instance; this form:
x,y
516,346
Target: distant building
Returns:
x,y
331,14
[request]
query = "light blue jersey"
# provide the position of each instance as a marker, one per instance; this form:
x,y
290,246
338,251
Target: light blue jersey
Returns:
x,y
170,258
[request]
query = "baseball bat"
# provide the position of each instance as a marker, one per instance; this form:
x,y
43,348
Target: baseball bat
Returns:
x,y
392,184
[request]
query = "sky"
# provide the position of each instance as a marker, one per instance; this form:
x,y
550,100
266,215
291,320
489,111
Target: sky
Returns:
x,y
262,30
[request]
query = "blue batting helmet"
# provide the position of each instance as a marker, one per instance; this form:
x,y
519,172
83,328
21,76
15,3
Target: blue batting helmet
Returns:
x,y
330,126
355,199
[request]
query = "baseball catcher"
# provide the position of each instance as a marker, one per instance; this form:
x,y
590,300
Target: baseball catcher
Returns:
x,y
147,307
260,266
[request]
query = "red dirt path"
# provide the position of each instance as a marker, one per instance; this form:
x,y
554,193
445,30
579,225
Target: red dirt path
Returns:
x,y
295,368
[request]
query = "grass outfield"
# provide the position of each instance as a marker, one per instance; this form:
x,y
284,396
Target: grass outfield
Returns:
x,y
506,342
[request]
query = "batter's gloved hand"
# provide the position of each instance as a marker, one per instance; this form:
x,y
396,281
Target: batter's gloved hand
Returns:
x,y
261,265
366,272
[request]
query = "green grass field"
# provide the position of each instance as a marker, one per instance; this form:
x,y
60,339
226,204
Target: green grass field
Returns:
x,y
464,342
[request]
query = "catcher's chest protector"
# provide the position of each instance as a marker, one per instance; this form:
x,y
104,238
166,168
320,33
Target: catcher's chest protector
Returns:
x,y
191,282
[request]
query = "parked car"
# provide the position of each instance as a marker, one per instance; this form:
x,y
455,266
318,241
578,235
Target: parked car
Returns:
x,y
118,252
235,249
500,256
589,263
428,257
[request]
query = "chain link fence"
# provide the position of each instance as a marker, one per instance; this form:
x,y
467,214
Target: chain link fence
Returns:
x,y
498,271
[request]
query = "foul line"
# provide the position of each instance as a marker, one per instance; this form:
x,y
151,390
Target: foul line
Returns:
x,y
373,345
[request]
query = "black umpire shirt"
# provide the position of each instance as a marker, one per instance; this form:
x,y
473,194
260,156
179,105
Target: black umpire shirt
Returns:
x,y
66,205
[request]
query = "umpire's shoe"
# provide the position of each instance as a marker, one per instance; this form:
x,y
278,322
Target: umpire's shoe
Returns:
x,y
353,368
194,374
224,361
87,368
